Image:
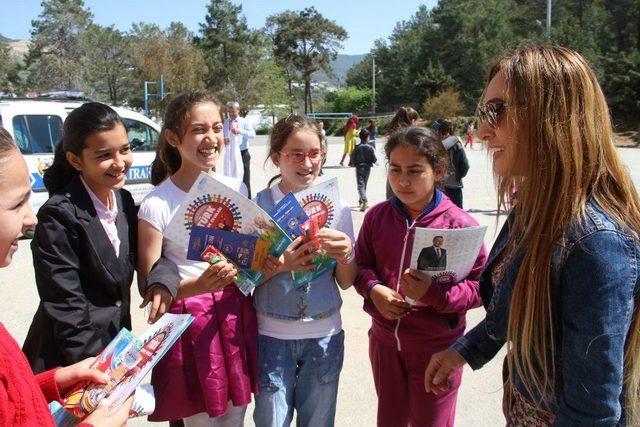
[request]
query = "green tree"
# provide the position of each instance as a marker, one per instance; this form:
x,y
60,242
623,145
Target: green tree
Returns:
x,y
233,52
352,99
170,53
305,41
8,68
446,105
56,55
622,86
360,74
109,65
272,88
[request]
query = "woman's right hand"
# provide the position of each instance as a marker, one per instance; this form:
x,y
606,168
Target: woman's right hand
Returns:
x,y
441,365
216,277
99,417
298,256
390,304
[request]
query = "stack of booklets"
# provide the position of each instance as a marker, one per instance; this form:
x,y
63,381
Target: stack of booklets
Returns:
x,y
217,223
312,209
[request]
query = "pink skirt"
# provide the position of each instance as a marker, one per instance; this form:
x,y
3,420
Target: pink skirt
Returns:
x,y
214,361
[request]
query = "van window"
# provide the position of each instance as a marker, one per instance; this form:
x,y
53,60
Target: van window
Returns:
x,y
142,137
37,133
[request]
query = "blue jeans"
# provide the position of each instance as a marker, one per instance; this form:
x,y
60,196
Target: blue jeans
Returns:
x,y
301,374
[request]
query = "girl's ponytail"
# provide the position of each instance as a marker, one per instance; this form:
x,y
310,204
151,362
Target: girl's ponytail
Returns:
x,y
167,160
274,179
58,175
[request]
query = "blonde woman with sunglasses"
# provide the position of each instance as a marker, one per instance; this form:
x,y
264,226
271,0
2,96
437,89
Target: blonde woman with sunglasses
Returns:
x,y
561,284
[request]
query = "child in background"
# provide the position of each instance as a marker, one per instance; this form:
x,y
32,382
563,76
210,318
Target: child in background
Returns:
x,y
301,342
373,131
363,158
85,242
208,375
23,396
402,337
470,129
350,135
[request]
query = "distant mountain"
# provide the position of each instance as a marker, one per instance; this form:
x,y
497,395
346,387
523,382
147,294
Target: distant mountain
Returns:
x,y
19,48
341,66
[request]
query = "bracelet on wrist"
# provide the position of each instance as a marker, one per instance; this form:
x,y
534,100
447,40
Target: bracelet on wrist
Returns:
x,y
350,256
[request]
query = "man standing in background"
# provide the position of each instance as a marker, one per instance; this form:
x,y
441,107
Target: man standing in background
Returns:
x,y
237,133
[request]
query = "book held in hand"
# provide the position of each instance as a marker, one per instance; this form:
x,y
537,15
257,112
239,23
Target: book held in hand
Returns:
x,y
321,203
212,212
126,360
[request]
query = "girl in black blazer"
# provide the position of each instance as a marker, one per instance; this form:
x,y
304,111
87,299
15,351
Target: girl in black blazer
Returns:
x,y
84,247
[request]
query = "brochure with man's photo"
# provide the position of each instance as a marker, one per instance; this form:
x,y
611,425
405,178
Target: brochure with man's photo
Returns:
x,y
446,255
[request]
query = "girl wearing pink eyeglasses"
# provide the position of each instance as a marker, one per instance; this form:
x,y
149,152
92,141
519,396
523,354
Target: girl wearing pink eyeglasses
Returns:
x,y
300,337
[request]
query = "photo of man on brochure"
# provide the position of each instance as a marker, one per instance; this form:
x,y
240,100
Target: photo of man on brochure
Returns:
x,y
433,258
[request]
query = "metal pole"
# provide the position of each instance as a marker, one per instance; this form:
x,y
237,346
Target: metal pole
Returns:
x,y
146,99
161,87
373,83
548,19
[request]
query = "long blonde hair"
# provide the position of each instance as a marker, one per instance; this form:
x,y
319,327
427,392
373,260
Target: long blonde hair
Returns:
x,y
562,128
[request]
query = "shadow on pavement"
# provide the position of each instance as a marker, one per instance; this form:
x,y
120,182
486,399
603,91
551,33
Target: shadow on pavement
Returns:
x,y
488,212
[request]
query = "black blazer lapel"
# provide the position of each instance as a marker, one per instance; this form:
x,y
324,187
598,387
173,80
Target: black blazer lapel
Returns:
x,y
122,224
98,239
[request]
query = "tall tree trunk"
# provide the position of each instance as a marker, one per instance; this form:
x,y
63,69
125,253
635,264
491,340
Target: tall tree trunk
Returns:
x,y
307,90
290,95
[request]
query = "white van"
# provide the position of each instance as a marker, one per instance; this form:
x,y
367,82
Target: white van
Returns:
x,y
36,126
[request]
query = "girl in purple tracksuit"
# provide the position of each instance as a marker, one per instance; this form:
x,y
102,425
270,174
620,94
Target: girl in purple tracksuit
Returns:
x,y
403,337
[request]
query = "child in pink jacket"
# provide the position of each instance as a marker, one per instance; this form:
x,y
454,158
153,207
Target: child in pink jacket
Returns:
x,y
403,337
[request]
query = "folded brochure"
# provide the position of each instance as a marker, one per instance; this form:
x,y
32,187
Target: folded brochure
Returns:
x,y
446,255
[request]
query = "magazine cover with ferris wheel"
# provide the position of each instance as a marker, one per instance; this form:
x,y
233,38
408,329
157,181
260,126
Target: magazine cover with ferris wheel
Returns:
x,y
212,205
126,360
322,205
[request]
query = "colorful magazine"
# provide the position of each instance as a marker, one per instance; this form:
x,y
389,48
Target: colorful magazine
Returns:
x,y
322,204
290,216
144,403
211,204
127,359
245,251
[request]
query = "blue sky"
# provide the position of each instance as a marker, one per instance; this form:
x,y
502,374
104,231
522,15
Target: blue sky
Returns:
x,y
364,20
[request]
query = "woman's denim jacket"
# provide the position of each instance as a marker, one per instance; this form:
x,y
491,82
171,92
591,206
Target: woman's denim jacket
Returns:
x,y
595,288
279,298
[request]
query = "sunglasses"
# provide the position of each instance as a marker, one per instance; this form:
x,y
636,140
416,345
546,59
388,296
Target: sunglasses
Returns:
x,y
491,112
298,156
